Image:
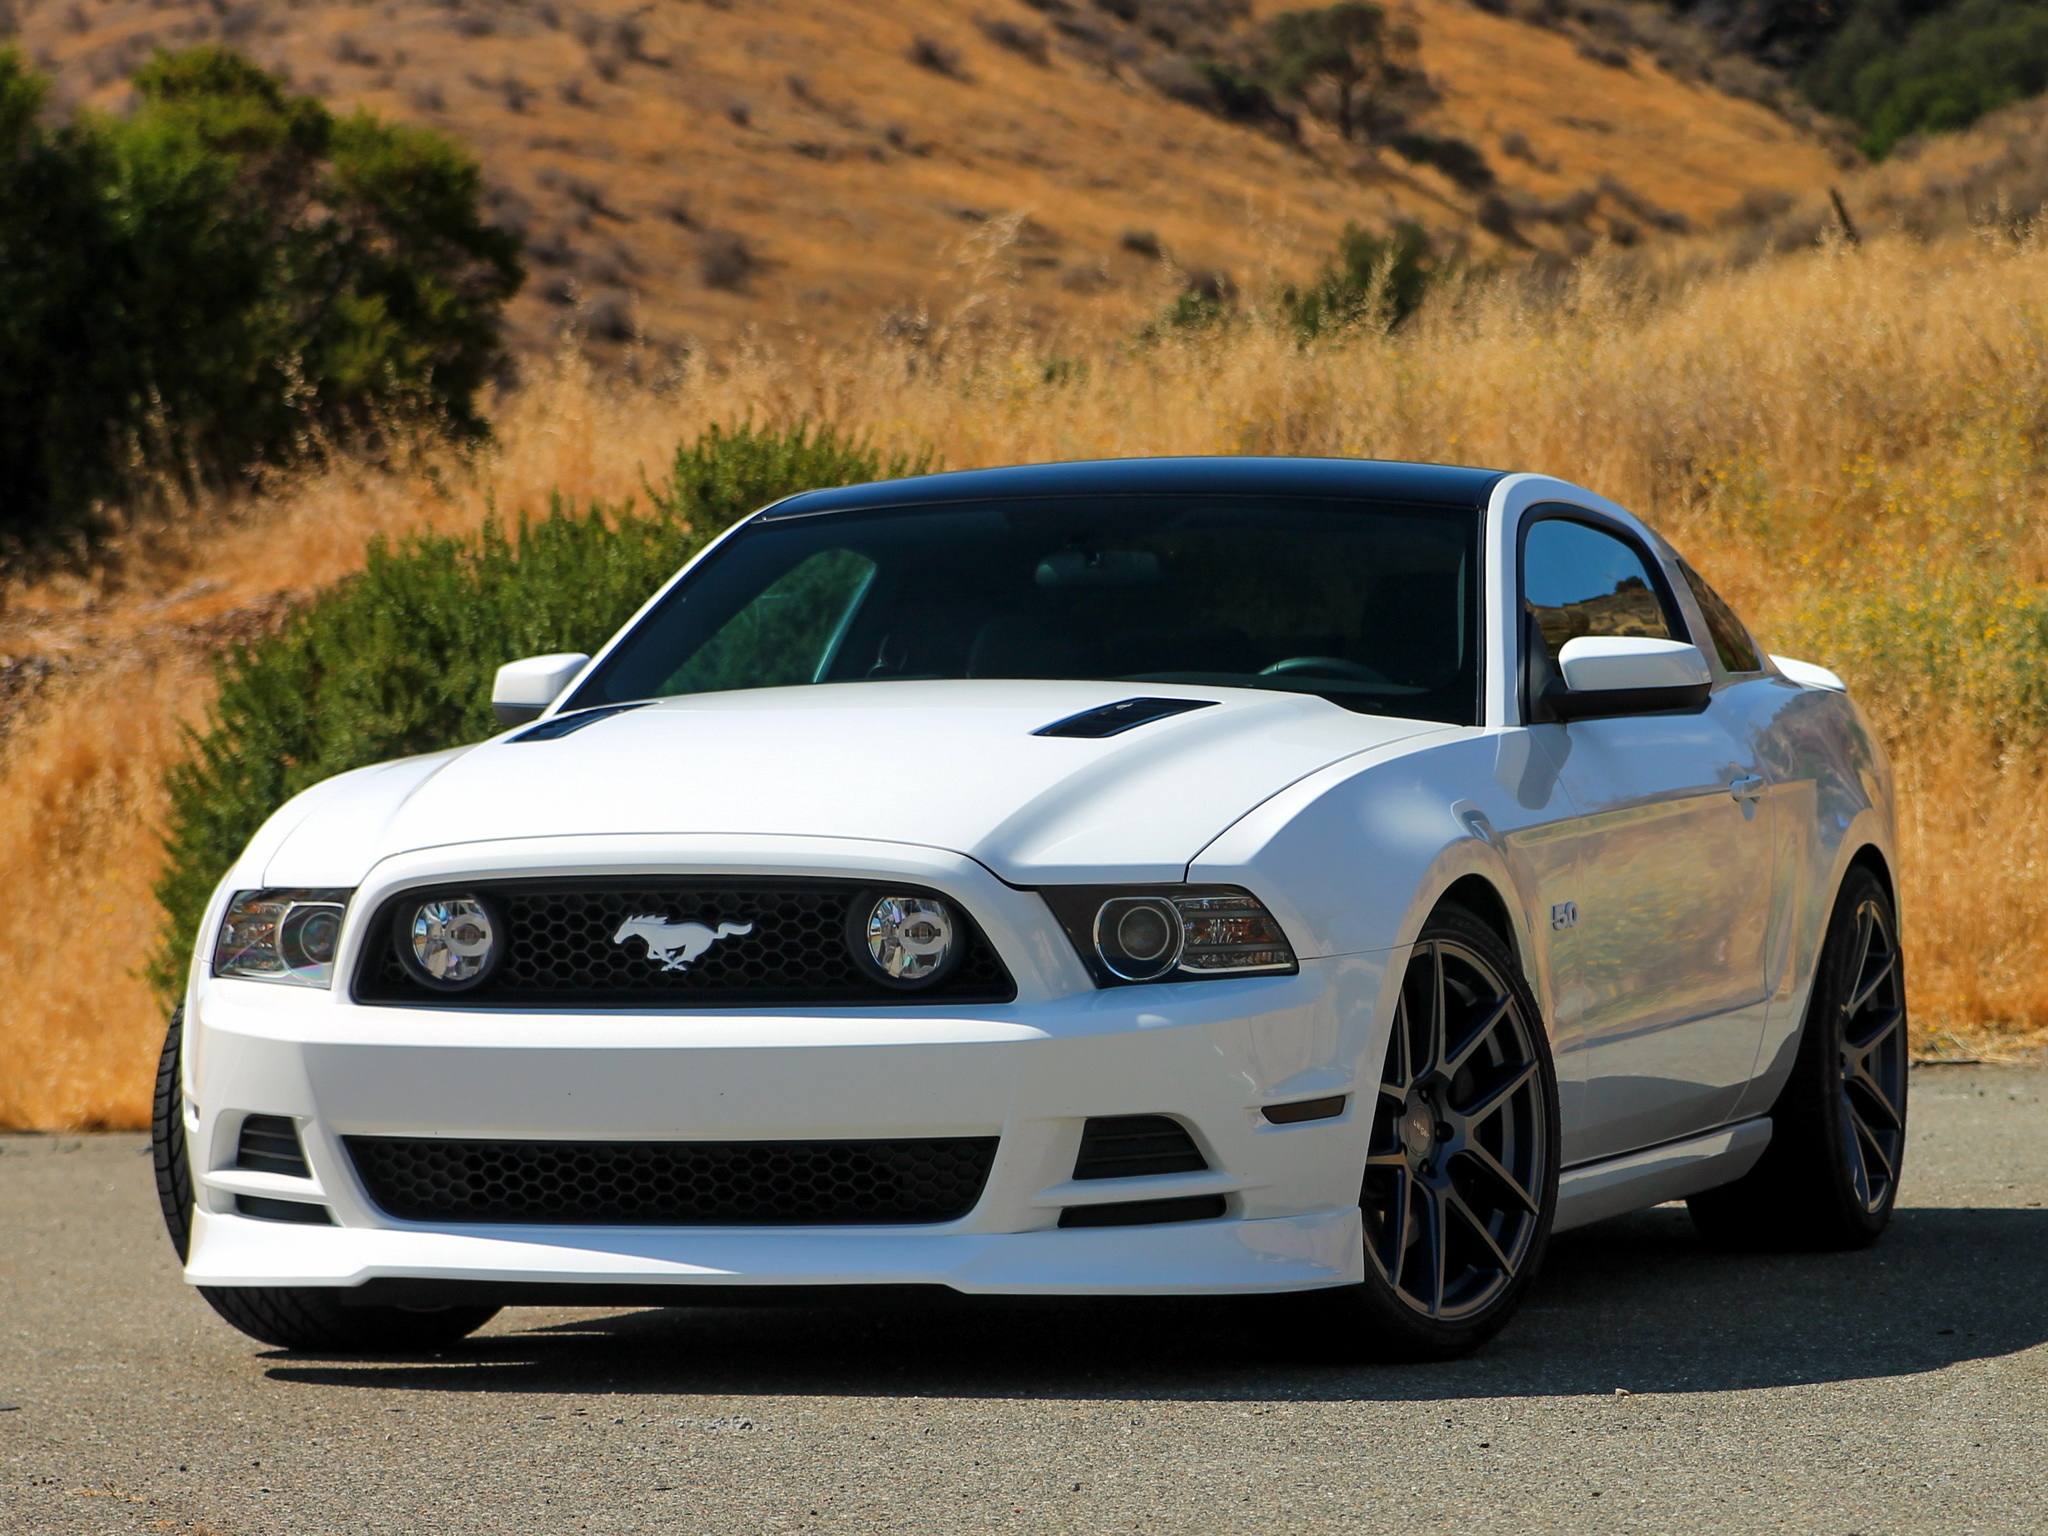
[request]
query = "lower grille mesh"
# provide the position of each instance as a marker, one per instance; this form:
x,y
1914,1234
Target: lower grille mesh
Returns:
x,y
674,1183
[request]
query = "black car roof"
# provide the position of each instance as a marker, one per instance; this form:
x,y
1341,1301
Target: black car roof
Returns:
x,y
1370,479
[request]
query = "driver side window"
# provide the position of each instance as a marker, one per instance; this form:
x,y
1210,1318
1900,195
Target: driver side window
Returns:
x,y
1580,580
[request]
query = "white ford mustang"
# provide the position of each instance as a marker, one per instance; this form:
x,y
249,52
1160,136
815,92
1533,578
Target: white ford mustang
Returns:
x,y
1150,877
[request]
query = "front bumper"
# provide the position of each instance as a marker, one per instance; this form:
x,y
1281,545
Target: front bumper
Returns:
x,y
1210,1054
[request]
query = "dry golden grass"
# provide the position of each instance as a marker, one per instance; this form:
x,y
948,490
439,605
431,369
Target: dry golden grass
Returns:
x,y
1848,442
78,842
633,142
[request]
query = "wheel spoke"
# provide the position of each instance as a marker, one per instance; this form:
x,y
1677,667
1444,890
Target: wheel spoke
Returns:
x,y
1430,1249
1453,1065
1873,1151
1886,1023
1866,935
1495,1170
1859,1076
1398,1158
1470,1217
1852,1147
1495,1098
1395,1239
1867,984
1439,1012
1400,1071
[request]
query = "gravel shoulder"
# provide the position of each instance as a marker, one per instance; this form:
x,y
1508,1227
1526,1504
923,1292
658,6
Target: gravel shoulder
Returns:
x,y
1649,1385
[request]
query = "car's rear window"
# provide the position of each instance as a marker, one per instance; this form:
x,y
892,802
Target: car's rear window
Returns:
x,y
1371,605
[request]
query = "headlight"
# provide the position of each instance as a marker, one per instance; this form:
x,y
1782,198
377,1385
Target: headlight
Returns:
x,y
281,935
449,943
1171,933
904,941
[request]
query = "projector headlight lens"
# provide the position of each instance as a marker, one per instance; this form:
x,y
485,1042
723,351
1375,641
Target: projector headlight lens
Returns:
x,y
1138,938
450,943
904,941
281,935
1171,933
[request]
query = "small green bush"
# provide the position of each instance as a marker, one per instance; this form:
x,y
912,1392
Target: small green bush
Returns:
x,y
1376,280
220,278
398,659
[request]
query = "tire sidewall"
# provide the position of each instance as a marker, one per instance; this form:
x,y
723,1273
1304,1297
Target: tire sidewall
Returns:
x,y
168,1152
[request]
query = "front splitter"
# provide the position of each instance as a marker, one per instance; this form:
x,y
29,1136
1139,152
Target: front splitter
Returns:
x,y
1206,1258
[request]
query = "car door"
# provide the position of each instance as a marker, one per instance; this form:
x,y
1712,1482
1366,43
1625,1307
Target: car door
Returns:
x,y
1671,830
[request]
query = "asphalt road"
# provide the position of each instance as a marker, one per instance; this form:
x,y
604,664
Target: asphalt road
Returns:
x,y
1650,1386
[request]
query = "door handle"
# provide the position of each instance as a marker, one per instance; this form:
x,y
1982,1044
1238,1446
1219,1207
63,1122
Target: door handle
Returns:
x,y
1748,789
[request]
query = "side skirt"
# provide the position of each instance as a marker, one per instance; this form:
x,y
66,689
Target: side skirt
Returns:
x,y
1636,1180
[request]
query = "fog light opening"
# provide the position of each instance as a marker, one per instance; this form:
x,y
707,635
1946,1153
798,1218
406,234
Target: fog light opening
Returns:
x,y
904,941
450,943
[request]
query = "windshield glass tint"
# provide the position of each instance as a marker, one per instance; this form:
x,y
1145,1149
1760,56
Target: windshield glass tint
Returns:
x,y
1370,605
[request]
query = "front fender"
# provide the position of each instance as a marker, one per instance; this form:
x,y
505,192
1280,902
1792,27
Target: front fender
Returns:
x,y
1353,860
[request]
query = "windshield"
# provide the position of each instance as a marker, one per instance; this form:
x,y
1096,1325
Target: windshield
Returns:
x,y
1370,605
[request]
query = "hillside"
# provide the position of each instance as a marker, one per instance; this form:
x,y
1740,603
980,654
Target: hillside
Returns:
x,y
686,171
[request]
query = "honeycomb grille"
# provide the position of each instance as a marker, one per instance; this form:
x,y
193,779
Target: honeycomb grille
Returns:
x,y
674,1183
563,949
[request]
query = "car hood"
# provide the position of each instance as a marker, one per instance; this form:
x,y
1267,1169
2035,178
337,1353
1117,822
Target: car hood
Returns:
x,y
952,765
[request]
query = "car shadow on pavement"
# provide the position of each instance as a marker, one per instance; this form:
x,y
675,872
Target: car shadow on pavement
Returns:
x,y
1637,1303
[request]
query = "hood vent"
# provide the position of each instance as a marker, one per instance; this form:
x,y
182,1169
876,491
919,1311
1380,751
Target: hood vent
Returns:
x,y
563,725
1115,719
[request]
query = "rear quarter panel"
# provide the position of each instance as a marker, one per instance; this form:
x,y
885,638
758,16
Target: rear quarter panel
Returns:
x,y
1832,793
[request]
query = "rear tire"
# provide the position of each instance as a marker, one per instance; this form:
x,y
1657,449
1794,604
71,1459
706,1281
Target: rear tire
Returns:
x,y
1461,1173
286,1317
1830,1176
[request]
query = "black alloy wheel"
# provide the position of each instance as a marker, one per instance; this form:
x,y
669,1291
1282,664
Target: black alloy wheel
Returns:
x,y
1461,1171
1830,1175
288,1317
1874,1061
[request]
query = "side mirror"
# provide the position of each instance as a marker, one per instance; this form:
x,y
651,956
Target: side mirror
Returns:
x,y
1628,675
524,688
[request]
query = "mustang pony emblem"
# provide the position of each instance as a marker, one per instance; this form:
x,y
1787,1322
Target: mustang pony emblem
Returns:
x,y
675,945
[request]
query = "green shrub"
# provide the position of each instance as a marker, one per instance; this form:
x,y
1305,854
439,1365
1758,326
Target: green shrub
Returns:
x,y
220,278
1350,51
1901,68
1376,280
398,659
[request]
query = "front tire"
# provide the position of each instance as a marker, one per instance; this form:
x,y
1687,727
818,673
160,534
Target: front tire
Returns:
x,y
1460,1180
285,1317
1830,1176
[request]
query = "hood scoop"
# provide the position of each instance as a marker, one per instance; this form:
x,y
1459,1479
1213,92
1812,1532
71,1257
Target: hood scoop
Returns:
x,y
569,724
1115,719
